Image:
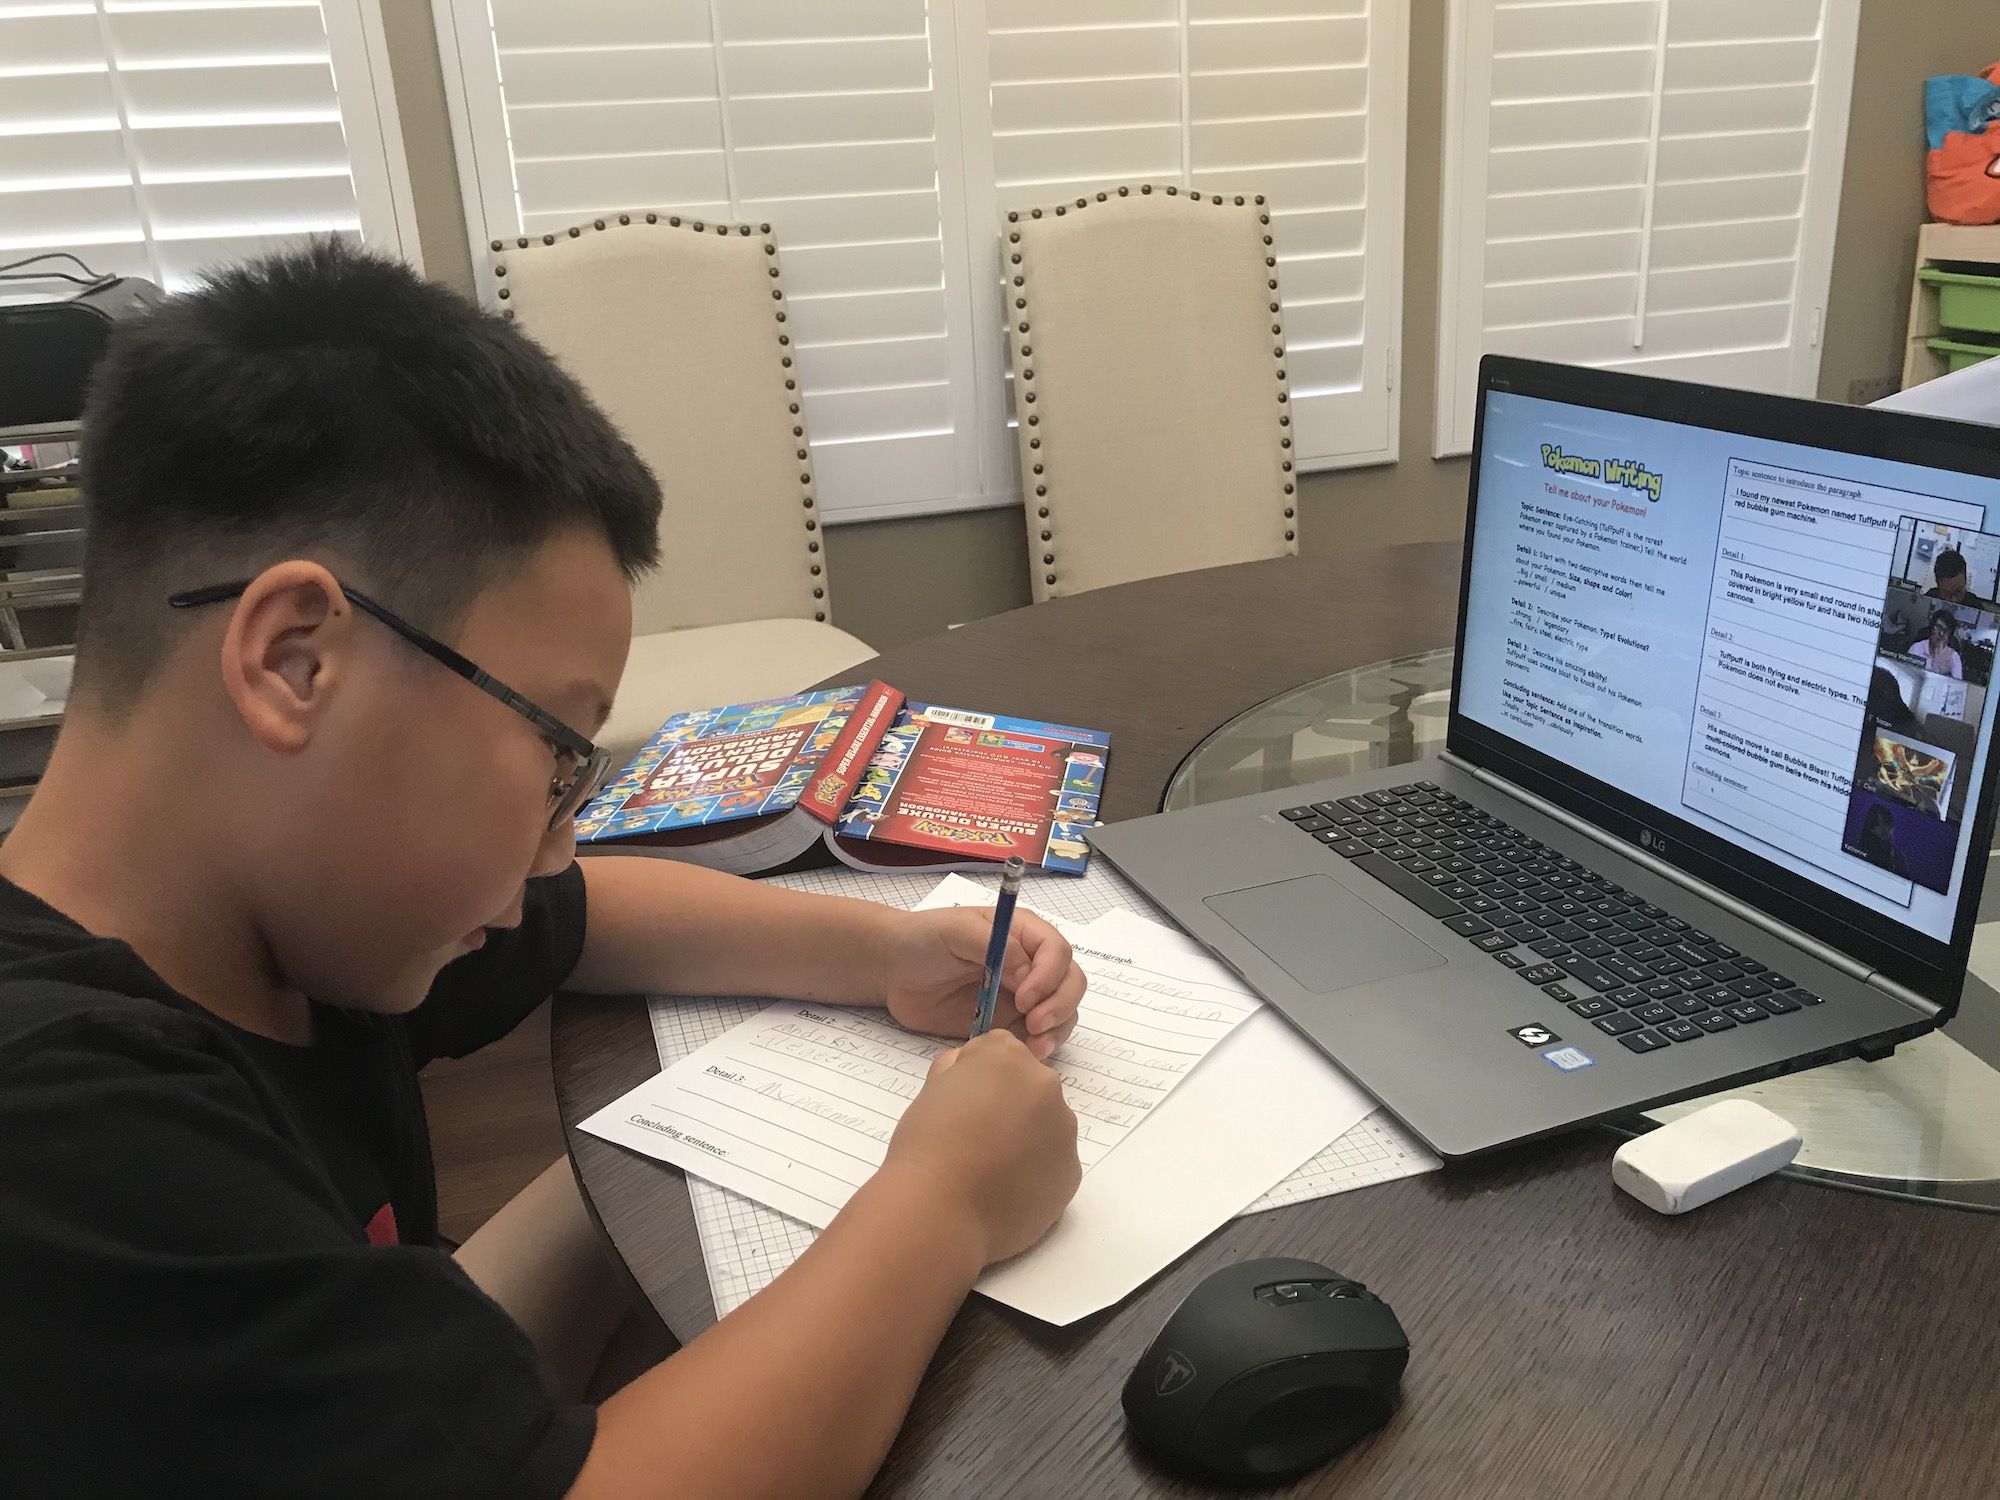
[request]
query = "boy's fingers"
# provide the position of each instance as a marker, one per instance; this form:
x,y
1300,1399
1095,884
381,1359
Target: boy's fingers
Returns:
x,y
1060,1006
1049,960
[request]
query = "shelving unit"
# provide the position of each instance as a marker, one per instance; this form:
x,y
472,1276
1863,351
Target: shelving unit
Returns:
x,y
41,582
1941,244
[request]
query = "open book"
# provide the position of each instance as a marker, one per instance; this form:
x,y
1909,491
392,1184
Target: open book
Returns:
x,y
885,783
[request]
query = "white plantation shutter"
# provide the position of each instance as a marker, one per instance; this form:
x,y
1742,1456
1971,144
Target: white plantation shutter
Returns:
x,y
1300,100
157,137
883,141
818,119
1641,184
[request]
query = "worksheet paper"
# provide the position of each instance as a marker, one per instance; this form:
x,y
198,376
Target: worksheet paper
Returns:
x,y
1261,1103
795,1107
746,1244
1377,1149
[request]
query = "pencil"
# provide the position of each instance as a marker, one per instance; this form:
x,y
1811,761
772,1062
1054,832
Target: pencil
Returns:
x,y
996,946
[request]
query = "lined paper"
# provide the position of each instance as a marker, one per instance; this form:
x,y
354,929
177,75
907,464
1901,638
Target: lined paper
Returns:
x,y
795,1107
746,1245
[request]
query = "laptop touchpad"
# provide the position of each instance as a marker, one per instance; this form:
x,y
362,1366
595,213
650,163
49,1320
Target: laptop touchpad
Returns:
x,y
1322,934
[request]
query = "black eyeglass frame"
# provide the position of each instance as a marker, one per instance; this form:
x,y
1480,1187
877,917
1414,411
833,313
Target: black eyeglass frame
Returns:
x,y
568,795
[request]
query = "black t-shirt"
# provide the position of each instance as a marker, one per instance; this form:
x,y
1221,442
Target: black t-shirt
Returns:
x,y
1969,599
218,1269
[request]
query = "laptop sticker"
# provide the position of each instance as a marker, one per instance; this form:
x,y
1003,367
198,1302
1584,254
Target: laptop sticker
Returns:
x,y
1568,1059
1532,1036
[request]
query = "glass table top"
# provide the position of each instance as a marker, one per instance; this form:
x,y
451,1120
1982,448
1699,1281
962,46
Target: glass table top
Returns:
x,y
1924,1122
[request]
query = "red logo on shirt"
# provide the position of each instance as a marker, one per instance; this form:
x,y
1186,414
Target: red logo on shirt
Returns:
x,y
382,1227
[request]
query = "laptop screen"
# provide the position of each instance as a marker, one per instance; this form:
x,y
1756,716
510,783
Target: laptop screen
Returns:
x,y
1782,649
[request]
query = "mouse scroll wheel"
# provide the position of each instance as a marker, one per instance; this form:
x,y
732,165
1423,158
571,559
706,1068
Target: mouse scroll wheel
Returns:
x,y
1340,1288
1290,1291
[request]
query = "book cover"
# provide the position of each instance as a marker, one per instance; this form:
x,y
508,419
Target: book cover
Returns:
x,y
719,765
976,788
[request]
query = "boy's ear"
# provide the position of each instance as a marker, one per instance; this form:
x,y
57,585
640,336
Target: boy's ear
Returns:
x,y
282,650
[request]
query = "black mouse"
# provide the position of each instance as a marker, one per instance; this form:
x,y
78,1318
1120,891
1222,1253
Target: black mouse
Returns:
x,y
1265,1370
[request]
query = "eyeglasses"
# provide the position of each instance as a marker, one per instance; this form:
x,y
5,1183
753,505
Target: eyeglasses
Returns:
x,y
568,791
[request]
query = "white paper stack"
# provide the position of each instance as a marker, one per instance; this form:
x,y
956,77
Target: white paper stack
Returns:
x,y
1195,1104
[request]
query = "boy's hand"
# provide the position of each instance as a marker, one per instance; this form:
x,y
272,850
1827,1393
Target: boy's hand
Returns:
x,y
934,960
991,1131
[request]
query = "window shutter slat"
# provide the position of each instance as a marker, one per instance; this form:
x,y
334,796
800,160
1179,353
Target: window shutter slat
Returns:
x,y
252,34
52,41
590,75
525,25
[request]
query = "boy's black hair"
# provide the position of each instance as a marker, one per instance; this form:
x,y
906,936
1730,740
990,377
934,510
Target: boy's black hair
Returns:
x,y
1948,564
330,403
1885,700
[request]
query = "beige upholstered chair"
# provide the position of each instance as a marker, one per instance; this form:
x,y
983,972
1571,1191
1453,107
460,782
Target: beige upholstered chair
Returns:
x,y
678,330
1149,386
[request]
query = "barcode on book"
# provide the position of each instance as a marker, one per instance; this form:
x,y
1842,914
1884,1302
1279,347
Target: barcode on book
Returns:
x,y
959,717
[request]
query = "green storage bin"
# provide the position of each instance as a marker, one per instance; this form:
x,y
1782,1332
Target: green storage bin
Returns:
x,y
1957,354
1966,302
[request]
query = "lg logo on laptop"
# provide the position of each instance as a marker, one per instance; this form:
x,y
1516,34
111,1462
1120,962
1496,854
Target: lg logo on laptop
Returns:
x,y
1657,842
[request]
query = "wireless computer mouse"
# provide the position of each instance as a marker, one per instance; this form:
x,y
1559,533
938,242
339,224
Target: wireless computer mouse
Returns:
x,y
1266,1370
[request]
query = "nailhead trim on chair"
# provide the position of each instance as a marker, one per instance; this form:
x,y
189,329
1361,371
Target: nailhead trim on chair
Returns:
x,y
803,452
1018,279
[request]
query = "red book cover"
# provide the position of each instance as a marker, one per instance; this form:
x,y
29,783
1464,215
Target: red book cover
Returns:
x,y
947,785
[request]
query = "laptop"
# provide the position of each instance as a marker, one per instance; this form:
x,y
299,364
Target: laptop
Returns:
x,y
1717,784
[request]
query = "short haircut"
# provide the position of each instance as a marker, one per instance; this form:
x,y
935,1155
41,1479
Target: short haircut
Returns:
x,y
331,403
1948,564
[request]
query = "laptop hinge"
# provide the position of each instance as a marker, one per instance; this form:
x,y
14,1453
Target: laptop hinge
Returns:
x,y
1825,952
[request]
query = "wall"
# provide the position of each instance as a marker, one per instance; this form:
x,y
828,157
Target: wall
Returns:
x,y
411,38
1902,43
898,580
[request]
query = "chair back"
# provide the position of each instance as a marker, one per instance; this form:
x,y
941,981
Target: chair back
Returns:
x,y
1149,387
677,328
1154,425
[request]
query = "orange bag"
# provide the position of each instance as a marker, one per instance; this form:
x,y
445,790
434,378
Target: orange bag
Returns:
x,y
1962,173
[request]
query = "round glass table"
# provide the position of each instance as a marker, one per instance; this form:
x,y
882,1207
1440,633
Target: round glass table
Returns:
x,y
1923,1123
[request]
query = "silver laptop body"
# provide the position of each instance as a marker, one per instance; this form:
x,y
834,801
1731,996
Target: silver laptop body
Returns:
x,y
1703,709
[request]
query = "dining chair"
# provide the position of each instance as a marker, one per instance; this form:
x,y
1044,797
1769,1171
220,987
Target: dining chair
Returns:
x,y
1152,414
677,328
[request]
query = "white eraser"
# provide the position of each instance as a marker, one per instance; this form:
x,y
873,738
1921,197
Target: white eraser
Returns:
x,y
1699,1157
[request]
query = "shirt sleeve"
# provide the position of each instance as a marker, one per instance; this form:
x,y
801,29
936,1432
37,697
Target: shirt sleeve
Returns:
x,y
481,997
189,1310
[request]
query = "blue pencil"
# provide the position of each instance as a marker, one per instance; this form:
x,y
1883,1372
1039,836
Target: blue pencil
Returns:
x,y
996,946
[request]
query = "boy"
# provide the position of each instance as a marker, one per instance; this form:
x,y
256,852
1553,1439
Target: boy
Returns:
x,y
1949,570
295,840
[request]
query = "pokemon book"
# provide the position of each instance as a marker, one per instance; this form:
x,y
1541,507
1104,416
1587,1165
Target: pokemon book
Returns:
x,y
883,782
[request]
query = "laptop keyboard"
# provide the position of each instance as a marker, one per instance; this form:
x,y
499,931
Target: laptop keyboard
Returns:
x,y
1632,970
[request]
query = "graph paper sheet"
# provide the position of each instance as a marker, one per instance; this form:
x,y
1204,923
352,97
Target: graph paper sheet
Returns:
x,y
1376,1150
746,1245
